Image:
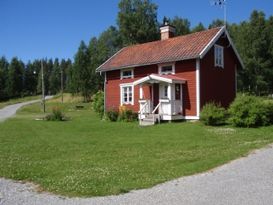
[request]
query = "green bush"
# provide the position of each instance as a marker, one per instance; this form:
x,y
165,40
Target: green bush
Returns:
x,y
213,114
269,111
112,115
98,103
55,115
127,116
248,111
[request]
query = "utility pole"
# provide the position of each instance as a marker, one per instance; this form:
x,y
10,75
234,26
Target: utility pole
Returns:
x,y
62,85
222,4
43,86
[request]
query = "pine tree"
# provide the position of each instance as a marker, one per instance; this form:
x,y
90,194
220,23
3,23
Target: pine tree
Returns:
x,y
30,79
199,27
3,78
15,83
216,23
55,78
82,80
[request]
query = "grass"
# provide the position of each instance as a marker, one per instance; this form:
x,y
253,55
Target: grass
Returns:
x,y
89,157
18,100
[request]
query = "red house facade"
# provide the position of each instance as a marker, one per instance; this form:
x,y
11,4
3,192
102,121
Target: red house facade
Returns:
x,y
174,77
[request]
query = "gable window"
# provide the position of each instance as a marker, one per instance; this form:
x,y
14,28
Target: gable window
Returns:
x,y
166,69
219,56
127,94
128,73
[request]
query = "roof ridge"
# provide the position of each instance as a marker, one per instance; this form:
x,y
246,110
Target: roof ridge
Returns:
x,y
176,37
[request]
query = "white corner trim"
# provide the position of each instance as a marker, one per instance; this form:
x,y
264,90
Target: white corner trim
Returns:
x,y
158,78
104,94
197,87
141,80
234,48
212,42
120,92
236,74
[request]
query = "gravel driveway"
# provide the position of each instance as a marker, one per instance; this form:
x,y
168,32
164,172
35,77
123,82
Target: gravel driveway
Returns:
x,y
10,110
246,181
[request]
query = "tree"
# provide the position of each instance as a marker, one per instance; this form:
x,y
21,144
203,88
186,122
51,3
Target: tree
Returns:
x,y
199,27
15,83
137,21
269,30
30,79
3,78
182,25
81,72
109,42
253,40
55,78
66,68
216,23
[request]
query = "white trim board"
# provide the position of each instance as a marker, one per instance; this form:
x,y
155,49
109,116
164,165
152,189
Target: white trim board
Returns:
x,y
158,78
197,87
213,41
97,70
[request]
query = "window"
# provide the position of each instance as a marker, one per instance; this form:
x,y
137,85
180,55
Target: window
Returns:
x,y
126,74
218,56
166,69
177,92
127,94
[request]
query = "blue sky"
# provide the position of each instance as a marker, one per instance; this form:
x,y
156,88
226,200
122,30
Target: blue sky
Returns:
x,y
33,29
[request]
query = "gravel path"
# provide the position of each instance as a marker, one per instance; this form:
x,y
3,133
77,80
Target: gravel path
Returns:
x,y
10,110
246,181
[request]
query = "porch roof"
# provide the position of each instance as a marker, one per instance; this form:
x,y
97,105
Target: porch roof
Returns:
x,y
160,78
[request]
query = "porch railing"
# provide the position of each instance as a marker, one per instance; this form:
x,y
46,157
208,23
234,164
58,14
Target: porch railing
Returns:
x,y
157,108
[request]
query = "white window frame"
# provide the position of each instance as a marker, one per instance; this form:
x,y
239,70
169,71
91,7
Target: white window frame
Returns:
x,y
122,86
164,65
126,77
218,56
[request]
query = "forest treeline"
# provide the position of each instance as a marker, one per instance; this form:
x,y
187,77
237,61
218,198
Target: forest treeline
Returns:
x,y
137,22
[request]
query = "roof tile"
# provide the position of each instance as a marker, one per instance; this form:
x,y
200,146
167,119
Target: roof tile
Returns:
x,y
173,49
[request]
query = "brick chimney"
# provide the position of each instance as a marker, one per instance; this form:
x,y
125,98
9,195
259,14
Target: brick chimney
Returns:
x,y
166,30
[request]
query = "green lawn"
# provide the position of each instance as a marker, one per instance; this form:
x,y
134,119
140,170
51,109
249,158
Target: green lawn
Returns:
x,y
89,157
18,100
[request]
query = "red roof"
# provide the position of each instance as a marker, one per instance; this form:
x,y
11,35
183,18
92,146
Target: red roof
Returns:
x,y
178,48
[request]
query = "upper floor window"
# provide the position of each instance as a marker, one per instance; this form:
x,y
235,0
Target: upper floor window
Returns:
x,y
166,69
128,73
219,56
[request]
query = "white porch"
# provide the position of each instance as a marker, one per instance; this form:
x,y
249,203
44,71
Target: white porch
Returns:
x,y
163,99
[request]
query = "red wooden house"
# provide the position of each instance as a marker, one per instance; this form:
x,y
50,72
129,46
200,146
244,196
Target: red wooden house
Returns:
x,y
174,77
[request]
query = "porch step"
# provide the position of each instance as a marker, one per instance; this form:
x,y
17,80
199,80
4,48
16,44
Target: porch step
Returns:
x,y
146,123
149,120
